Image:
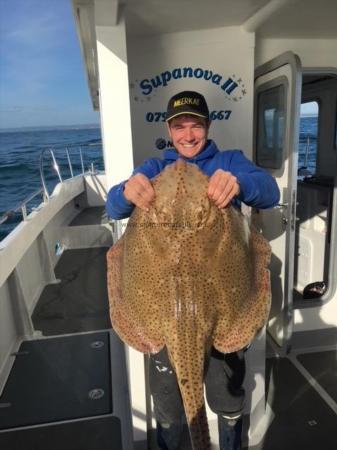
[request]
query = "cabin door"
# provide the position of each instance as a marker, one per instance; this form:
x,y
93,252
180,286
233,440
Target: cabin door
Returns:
x,y
277,111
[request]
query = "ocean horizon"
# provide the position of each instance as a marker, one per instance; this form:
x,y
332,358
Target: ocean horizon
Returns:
x,y
50,127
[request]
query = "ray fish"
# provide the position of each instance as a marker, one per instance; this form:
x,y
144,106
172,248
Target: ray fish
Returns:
x,y
188,276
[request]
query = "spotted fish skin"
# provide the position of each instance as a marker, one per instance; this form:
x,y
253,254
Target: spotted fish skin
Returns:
x,y
188,275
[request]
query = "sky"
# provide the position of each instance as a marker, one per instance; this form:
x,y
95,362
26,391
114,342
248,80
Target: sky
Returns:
x,y
42,78
309,109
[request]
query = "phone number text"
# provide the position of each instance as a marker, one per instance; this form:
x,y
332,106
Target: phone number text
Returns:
x,y
161,116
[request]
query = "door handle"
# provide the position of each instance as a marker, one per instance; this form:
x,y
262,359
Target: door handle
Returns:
x,y
281,205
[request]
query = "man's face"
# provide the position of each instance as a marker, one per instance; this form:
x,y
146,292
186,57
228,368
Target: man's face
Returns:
x,y
188,134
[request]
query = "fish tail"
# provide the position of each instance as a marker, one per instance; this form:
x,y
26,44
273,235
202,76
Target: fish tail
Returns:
x,y
189,373
199,431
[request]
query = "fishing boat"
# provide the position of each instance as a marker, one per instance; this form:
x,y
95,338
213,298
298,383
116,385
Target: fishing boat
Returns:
x,y
66,380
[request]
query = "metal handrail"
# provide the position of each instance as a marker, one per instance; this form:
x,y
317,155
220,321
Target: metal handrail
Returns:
x,y
56,167
22,206
70,164
307,148
81,156
43,190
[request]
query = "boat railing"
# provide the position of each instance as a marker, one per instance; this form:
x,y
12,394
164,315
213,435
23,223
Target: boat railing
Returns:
x,y
43,191
22,206
56,167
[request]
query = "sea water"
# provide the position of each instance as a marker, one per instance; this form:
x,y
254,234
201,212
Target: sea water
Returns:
x,y
20,163
20,160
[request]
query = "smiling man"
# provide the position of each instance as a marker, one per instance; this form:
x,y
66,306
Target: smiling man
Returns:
x,y
233,179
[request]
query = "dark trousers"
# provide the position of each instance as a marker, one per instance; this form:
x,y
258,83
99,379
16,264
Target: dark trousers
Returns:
x,y
224,375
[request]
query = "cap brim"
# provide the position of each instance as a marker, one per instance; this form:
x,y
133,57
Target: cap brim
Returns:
x,y
185,113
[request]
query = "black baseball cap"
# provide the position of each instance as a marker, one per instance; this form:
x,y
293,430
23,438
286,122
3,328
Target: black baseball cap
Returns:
x,y
187,102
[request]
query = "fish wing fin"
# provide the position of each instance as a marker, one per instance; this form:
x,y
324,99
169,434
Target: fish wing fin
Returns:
x,y
122,316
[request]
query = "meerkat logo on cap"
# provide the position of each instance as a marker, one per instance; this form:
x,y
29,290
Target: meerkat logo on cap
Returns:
x,y
186,101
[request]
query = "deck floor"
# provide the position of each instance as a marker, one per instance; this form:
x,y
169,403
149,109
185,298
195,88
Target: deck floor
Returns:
x,y
58,396
323,368
96,434
60,372
79,302
90,216
303,420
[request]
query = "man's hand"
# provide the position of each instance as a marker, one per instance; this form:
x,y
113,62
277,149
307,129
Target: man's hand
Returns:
x,y
222,187
139,191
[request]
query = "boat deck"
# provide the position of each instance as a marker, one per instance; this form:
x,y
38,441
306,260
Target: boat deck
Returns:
x,y
95,215
59,395
303,418
79,302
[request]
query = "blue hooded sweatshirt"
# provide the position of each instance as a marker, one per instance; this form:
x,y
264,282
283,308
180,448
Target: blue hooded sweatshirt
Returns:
x,y
257,187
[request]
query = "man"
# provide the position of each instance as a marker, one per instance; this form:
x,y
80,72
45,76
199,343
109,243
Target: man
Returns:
x,y
233,179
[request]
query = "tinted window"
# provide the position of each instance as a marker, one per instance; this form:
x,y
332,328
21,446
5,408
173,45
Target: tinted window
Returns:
x,y
307,149
271,127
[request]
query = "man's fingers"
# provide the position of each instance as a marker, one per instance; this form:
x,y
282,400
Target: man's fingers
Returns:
x,y
214,182
231,191
144,182
227,190
222,188
144,194
142,202
225,199
218,182
139,191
